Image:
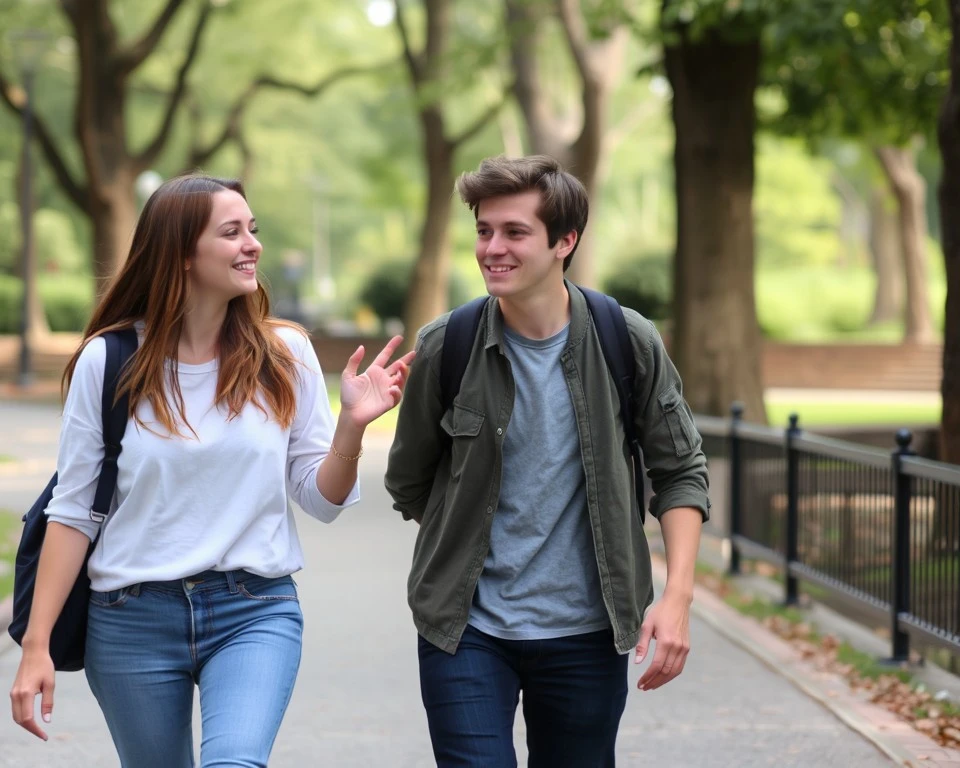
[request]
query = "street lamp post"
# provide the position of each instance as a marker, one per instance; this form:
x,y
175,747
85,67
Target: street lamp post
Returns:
x,y
28,47
293,262
321,267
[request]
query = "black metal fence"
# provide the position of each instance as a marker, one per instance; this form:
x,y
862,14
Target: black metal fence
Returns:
x,y
879,528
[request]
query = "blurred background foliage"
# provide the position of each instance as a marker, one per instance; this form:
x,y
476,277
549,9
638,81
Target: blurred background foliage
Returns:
x,y
339,177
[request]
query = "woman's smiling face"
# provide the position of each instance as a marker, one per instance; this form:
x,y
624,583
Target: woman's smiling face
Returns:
x,y
224,264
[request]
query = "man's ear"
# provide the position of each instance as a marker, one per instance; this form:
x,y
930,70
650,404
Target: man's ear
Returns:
x,y
566,244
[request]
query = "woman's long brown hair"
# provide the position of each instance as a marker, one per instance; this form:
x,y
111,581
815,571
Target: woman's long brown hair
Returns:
x,y
254,362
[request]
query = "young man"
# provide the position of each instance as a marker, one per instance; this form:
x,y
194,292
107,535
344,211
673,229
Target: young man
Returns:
x,y
531,571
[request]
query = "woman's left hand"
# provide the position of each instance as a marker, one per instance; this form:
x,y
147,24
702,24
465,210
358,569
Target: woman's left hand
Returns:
x,y
372,393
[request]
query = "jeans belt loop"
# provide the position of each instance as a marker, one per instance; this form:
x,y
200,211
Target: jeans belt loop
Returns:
x,y
232,582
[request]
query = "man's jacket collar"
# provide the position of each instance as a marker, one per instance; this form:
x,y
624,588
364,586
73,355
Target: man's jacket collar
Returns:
x,y
578,319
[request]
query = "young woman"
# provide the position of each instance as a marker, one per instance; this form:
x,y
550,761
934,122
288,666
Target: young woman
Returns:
x,y
190,577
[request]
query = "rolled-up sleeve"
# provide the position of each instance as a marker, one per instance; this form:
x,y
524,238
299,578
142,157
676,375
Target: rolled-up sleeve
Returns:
x,y
669,438
80,453
310,436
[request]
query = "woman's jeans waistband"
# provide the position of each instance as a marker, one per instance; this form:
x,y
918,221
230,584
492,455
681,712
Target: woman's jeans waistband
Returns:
x,y
205,581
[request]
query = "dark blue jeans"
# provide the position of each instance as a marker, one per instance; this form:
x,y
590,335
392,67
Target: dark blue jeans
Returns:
x,y
574,691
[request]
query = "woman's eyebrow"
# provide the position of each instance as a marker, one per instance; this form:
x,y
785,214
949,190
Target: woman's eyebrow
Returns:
x,y
238,223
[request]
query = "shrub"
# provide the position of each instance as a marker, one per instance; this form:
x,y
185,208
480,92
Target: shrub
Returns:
x,y
385,291
67,302
644,284
9,304
813,304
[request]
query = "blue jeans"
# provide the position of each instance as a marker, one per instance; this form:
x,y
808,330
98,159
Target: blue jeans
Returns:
x,y
235,635
574,692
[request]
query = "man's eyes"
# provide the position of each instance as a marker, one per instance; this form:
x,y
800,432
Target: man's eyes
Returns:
x,y
510,233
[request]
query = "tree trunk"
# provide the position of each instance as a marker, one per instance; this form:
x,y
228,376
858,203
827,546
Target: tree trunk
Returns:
x,y
37,326
114,216
578,145
853,217
716,338
427,295
887,262
510,134
949,194
102,135
587,153
909,188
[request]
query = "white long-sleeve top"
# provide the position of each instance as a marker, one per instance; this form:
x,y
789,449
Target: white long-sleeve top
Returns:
x,y
187,504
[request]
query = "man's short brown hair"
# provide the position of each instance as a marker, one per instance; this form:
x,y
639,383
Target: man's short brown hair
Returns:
x,y
563,198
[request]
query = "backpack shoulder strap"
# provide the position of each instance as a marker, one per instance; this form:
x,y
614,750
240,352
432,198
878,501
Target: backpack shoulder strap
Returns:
x,y
618,352
120,348
458,340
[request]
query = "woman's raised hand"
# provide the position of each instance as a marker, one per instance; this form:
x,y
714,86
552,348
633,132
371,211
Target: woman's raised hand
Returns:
x,y
368,395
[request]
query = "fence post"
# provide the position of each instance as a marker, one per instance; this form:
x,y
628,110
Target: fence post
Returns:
x,y
736,413
901,547
792,522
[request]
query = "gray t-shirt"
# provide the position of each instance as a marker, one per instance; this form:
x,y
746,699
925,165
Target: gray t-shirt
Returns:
x,y
540,577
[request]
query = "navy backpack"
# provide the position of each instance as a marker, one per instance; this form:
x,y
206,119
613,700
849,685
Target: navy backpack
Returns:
x,y
68,639
611,328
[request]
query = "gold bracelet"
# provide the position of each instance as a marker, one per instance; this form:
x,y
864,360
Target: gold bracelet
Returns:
x,y
339,455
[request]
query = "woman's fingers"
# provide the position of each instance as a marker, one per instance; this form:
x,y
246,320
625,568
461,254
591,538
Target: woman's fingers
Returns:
x,y
353,363
387,352
23,702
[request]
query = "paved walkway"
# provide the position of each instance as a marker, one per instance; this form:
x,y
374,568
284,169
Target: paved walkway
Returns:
x,y
357,703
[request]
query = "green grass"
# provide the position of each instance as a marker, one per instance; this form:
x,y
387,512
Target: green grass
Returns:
x,y
946,708
4,459
867,666
760,608
810,589
846,413
825,303
812,414
10,527
932,572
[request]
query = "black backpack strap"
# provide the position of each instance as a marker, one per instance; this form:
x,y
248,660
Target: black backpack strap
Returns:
x,y
618,352
120,348
458,341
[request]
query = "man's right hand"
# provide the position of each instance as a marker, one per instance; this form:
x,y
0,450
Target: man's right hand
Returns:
x,y
35,676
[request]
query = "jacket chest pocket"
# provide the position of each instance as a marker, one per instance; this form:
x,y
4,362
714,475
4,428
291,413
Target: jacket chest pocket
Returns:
x,y
462,425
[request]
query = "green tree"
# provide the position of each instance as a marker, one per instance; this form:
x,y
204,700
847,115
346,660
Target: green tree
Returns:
x,y
877,74
949,193
712,55
114,44
436,81
717,54
595,40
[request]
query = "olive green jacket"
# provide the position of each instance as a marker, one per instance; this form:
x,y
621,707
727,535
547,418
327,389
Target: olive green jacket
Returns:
x,y
444,469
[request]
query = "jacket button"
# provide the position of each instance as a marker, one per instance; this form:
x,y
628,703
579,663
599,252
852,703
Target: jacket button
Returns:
x,y
489,510
499,430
